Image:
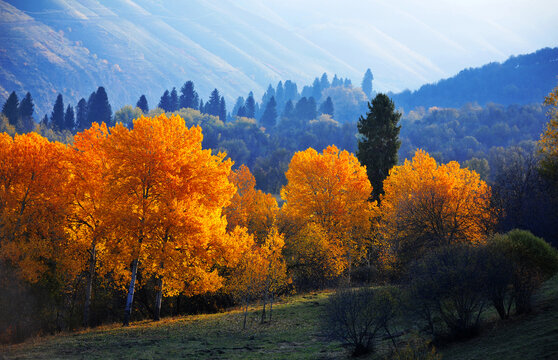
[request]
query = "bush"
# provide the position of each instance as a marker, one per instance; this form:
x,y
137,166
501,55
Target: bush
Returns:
x,y
417,348
498,279
357,316
447,288
534,261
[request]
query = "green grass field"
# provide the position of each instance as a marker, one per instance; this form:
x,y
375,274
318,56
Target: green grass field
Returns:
x,y
293,334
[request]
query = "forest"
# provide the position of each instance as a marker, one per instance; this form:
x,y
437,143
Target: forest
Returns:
x,y
188,208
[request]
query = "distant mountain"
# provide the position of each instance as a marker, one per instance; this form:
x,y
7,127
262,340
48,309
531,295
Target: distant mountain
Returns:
x,y
143,47
523,79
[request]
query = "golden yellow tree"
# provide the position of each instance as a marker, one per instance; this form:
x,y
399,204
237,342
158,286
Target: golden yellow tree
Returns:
x,y
428,205
167,195
33,175
548,144
332,190
249,207
89,218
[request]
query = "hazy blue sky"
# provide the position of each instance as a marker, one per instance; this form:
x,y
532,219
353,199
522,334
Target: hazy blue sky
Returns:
x,y
430,39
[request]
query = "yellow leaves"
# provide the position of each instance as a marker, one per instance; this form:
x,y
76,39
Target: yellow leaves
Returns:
x,y
32,206
249,207
548,144
427,205
332,191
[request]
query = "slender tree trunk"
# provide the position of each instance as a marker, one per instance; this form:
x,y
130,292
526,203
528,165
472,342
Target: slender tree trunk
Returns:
x,y
158,298
89,285
271,306
264,298
130,299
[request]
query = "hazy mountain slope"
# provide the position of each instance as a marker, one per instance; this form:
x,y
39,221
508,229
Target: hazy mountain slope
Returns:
x,y
523,79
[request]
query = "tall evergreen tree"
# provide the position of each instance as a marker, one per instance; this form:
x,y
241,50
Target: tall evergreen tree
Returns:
x,y
69,119
327,107
188,96
291,91
165,101
324,82
57,115
379,141
44,122
91,112
367,83
250,106
81,115
311,109
347,83
26,109
11,108
237,105
241,111
223,110
316,89
142,104
174,100
269,117
288,111
202,106
336,82
279,93
102,104
269,93
213,104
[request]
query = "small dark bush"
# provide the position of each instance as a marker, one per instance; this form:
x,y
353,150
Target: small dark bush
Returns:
x,y
357,316
534,261
447,287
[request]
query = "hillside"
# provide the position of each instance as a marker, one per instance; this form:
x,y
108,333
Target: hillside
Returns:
x,y
523,79
293,334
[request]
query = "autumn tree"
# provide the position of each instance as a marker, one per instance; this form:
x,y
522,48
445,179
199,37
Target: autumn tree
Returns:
x,y
167,195
548,144
89,219
33,175
250,208
427,205
331,190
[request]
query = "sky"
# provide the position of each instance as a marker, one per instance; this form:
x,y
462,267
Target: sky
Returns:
x,y
429,39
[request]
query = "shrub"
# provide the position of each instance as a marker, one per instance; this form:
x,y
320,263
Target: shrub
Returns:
x,y
417,348
357,316
534,261
448,285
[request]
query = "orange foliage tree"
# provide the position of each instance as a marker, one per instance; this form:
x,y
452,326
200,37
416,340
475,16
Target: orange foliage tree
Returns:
x,y
167,196
332,190
33,175
249,207
548,144
428,205
89,221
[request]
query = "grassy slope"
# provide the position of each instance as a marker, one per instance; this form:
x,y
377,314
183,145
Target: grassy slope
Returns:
x,y
293,334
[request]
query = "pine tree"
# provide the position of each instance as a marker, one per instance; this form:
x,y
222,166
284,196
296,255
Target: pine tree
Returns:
x,y
290,90
327,107
26,109
10,108
91,112
213,104
104,109
250,106
367,83
174,100
57,115
142,104
269,117
223,110
312,109
336,82
69,120
279,93
165,101
202,107
269,93
44,122
288,111
241,111
324,82
379,141
81,115
237,105
348,83
188,96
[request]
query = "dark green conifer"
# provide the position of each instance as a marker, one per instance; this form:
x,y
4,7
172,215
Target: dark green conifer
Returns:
x,y
379,141
69,119
57,115
269,117
142,104
11,108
